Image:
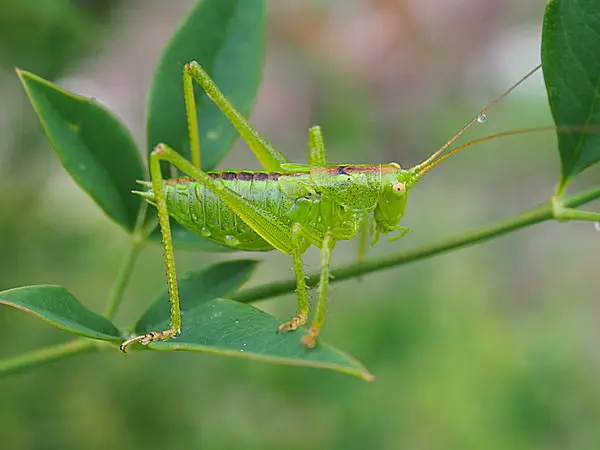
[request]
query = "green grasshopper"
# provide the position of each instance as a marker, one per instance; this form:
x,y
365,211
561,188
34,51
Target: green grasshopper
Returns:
x,y
285,207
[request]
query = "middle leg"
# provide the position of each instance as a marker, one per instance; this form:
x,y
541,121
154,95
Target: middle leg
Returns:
x,y
301,288
310,340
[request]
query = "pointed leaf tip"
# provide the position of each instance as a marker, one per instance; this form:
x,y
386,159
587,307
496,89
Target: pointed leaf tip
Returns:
x,y
227,37
226,327
230,328
92,145
570,44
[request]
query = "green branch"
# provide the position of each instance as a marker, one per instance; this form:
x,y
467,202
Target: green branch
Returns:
x,y
116,293
61,351
537,215
138,241
37,358
79,346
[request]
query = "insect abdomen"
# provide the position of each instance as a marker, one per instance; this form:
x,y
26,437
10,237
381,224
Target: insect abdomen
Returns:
x,y
198,209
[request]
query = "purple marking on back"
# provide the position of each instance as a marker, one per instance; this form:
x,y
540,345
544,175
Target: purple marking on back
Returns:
x,y
231,175
261,176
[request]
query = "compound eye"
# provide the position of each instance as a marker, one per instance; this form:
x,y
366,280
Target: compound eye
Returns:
x,y
398,188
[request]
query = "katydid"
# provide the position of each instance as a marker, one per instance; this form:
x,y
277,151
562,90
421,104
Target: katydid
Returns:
x,y
285,207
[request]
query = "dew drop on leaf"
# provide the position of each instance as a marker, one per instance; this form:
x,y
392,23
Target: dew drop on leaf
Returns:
x,y
232,240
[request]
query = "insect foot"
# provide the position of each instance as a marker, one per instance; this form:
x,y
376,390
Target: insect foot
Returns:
x,y
152,336
293,324
310,340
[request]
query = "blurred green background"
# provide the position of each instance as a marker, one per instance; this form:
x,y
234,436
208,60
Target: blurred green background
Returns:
x,y
490,347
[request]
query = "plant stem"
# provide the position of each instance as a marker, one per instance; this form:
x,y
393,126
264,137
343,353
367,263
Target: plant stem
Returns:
x,y
76,347
36,358
116,293
582,198
537,215
138,240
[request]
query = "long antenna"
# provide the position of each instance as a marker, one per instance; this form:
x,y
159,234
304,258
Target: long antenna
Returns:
x,y
428,162
431,165
558,128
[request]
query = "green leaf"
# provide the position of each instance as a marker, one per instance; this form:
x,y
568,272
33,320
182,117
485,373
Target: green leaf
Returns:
x,y
218,280
92,145
570,47
226,327
58,307
227,37
230,328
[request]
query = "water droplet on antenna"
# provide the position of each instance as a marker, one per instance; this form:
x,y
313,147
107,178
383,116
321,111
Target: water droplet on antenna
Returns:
x,y
597,226
482,117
